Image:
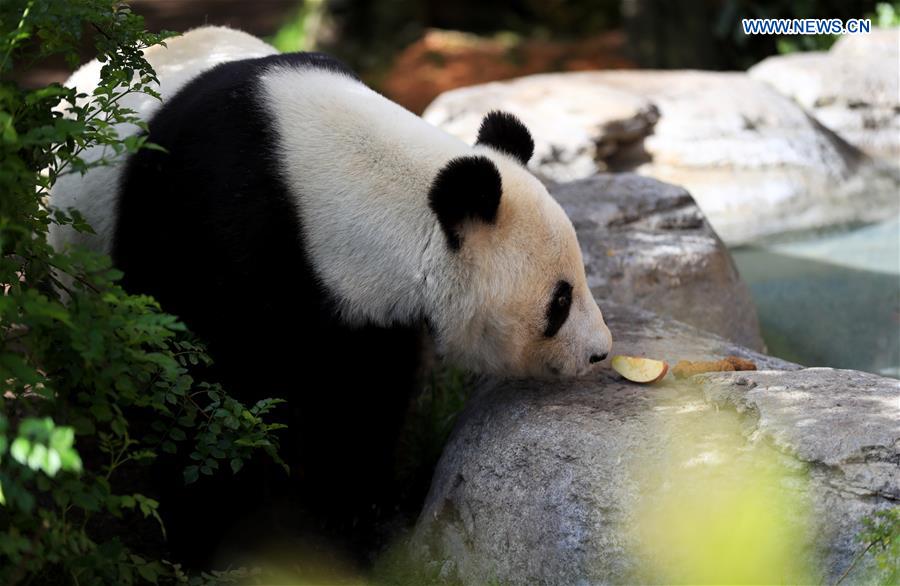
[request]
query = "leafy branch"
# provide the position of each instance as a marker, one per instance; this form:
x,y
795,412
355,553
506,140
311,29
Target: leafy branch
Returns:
x,y
83,363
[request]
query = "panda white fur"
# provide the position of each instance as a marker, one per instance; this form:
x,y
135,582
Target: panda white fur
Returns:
x,y
309,229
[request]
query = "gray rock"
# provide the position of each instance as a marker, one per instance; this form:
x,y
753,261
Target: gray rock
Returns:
x,y
853,89
844,420
574,129
604,481
843,425
646,243
756,163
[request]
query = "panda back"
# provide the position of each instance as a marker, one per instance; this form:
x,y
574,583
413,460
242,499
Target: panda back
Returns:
x,y
180,60
207,226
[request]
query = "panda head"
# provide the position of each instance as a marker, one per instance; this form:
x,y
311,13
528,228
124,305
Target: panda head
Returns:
x,y
513,296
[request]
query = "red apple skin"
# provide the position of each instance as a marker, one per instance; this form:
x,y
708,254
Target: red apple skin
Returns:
x,y
662,375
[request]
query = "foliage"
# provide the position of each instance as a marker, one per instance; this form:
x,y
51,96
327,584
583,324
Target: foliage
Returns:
x,y
886,15
736,50
300,32
880,538
881,534
430,420
660,34
431,417
95,383
805,43
367,35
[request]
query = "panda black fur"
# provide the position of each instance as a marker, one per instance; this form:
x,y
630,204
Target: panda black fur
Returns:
x,y
310,232
193,231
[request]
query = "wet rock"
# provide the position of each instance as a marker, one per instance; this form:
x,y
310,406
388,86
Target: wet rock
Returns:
x,y
550,482
853,89
756,163
647,243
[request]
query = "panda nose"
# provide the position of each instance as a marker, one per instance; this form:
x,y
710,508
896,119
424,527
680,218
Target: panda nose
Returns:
x,y
595,358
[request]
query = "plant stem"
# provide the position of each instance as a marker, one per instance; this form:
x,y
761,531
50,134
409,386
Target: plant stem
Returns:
x,y
15,37
858,557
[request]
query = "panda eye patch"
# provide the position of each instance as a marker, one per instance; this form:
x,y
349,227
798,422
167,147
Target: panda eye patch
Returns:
x,y
558,309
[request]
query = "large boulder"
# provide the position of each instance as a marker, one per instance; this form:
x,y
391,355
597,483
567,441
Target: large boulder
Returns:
x,y
757,164
752,477
853,89
646,243
574,128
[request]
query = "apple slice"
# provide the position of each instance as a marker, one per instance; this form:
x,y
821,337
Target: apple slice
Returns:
x,y
640,370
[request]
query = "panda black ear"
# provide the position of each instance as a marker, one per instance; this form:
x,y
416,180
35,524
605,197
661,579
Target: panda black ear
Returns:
x,y
466,189
505,132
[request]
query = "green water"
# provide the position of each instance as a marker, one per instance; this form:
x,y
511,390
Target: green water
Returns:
x,y
830,300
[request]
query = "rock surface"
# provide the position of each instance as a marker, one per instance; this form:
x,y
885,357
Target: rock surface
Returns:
x,y
845,423
545,482
756,163
646,243
853,89
574,127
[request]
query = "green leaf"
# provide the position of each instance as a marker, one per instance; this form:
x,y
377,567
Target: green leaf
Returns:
x,y
37,458
70,460
20,449
102,411
8,132
149,572
52,462
62,438
191,474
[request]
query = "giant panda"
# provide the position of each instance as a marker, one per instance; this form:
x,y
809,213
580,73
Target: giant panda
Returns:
x,y
313,233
